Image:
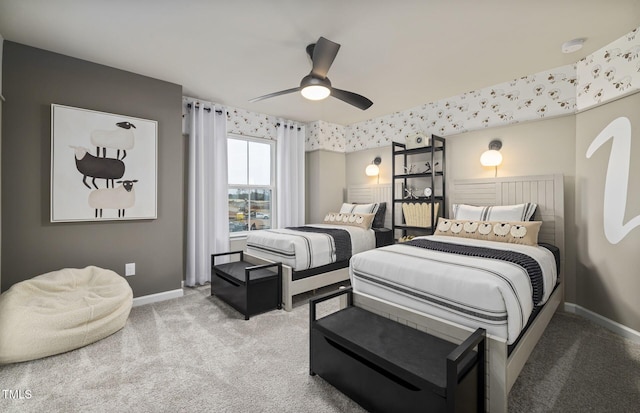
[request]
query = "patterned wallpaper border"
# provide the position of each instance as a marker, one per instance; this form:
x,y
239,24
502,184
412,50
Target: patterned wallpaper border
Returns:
x,y
609,73
545,94
605,75
556,92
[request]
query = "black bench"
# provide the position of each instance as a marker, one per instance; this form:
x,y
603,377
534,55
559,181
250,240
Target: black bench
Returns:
x,y
388,367
250,289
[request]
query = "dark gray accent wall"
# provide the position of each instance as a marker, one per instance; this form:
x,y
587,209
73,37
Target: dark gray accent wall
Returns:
x,y
33,79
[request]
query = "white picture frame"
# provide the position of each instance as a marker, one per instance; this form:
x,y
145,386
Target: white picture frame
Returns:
x,y
113,182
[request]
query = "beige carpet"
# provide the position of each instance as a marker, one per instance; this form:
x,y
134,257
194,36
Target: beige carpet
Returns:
x,y
195,354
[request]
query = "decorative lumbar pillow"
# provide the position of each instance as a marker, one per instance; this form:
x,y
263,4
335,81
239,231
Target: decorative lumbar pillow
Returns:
x,y
359,208
357,220
515,232
519,212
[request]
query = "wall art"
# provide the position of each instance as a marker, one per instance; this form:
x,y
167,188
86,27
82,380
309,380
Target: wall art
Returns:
x,y
617,179
103,166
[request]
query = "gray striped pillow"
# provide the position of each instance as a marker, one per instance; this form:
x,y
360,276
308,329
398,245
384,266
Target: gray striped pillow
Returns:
x,y
519,212
359,208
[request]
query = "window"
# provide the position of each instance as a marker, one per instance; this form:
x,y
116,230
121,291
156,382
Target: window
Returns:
x,y
251,183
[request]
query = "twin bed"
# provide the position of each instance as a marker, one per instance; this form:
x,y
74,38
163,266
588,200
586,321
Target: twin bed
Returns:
x,y
451,283
313,256
318,255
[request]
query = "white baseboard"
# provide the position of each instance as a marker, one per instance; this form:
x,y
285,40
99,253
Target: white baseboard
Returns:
x,y
614,326
154,298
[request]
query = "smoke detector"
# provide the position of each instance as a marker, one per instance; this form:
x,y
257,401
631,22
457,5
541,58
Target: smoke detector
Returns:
x,y
572,45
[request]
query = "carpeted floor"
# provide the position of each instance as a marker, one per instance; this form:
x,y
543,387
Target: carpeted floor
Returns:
x,y
195,354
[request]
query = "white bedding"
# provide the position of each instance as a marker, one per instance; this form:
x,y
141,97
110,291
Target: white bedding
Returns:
x,y
471,291
304,250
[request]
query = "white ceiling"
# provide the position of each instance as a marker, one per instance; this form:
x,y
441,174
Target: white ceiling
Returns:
x,y
400,54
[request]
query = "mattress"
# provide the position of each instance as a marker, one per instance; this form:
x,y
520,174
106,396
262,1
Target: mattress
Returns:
x,y
474,291
302,250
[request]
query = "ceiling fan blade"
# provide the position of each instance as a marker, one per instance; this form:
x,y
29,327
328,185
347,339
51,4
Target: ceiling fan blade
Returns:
x,y
324,52
351,98
274,94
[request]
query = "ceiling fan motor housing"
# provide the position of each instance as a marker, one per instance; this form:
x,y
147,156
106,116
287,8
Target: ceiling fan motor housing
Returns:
x,y
310,80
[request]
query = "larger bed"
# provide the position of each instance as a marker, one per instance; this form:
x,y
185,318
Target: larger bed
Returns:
x,y
449,285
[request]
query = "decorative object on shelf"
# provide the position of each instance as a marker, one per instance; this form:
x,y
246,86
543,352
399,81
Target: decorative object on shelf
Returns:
x,y
418,140
427,192
410,193
406,238
408,170
492,156
419,214
373,169
435,167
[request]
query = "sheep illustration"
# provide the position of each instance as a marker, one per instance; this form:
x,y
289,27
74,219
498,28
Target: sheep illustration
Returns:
x,y
632,53
623,83
485,228
518,231
120,139
456,227
120,198
501,229
444,225
95,167
609,73
470,227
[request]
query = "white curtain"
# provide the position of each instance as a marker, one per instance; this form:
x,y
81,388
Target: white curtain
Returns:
x,y
290,174
207,203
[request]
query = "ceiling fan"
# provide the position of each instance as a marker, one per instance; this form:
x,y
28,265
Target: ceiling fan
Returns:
x,y
316,85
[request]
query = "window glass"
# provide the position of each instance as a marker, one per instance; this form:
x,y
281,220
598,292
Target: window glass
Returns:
x,y
237,161
259,164
251,184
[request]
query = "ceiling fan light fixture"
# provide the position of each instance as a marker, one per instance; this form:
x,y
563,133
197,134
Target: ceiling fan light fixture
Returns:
x,y
316,85
315,92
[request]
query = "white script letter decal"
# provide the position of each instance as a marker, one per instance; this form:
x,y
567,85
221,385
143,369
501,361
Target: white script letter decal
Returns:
x,y
615,186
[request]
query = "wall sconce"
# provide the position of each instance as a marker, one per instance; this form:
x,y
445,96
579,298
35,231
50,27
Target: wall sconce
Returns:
x,y
492,157
373,170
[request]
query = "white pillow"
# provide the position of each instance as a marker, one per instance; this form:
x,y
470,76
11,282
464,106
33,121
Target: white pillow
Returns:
x,y
359,208
519,212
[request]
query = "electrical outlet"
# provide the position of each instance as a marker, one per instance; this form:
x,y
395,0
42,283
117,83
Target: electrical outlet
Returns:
x,y
130,269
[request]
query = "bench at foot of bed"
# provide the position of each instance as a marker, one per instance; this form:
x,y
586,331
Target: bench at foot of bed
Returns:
x,y
250,289
386,366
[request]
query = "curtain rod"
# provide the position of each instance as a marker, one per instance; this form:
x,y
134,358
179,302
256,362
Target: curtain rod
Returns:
x,y
197,105
290,126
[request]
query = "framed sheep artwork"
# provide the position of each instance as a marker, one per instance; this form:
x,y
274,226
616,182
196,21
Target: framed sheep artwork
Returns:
x,y
103,166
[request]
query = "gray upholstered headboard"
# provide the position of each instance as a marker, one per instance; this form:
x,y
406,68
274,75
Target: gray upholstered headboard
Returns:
x,y
545,190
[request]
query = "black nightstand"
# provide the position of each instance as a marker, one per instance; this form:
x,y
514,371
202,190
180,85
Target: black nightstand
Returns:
x,y
384,236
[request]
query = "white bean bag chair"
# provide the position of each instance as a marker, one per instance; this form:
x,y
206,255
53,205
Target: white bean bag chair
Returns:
x,y
61,311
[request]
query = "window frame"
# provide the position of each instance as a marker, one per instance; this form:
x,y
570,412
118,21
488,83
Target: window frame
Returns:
x,y
248,187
